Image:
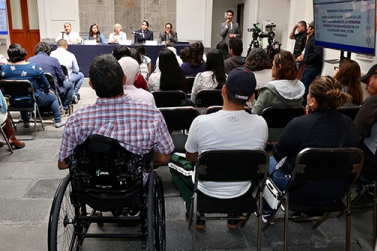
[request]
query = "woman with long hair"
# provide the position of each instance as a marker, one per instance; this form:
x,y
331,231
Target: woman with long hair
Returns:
x,y
213,76
168,76
285,90
194,62
222,46
347,74
94,34
260,64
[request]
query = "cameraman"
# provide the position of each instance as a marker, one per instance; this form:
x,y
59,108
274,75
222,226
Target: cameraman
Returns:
x,y
300,38
229,29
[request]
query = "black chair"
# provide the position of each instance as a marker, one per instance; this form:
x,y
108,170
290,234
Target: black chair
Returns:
x,y
207,98
277,118
102,177
213,109
22,88
65,71
223,166
52,83
170,98
350,111
321,180
179,119
189,83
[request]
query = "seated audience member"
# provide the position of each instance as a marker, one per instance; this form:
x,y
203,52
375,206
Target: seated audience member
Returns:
x,y
131,70
121,51
51,65
168,35
69,60
18,68
143,34
72,37
141,81
8,128
213,76
118,36
235,51
109,116
347,74
285,90
224,130
168,76
144,58
171,46
259,63
222,46
366,125
95,34
183,54
194,62
324,127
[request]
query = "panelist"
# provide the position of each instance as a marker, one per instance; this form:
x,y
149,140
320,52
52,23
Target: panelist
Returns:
x,y
72,37
168,35
95,34
143,34
118,35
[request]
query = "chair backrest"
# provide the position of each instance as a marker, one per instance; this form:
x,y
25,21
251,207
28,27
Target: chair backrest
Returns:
x,y
51,81
350,111
16,87
279,117
232,165
213,109
179,118
65,70
101,164
207,98
189,83
325,173
169,98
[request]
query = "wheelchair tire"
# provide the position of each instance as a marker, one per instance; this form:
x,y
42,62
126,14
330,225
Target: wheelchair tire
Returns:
x,y
155,214
61,229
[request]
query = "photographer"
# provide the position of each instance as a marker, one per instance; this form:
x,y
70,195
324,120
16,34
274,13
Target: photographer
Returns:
x,y
300,38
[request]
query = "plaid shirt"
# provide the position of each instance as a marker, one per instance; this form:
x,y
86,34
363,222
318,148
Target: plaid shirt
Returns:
x,y
137,125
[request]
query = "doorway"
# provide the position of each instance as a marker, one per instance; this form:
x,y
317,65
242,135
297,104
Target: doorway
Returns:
x,y
24,24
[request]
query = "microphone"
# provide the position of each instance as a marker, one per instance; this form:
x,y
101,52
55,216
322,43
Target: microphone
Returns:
x,y
62,34
136,33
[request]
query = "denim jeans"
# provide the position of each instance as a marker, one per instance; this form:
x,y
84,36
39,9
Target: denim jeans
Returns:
x,y
67,97
77,79
307,77
46,99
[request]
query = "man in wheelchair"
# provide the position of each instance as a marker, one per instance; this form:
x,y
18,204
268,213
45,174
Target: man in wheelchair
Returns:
x,y
138,126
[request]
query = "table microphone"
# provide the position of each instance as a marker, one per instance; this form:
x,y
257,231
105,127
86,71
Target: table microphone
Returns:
x,y
62,34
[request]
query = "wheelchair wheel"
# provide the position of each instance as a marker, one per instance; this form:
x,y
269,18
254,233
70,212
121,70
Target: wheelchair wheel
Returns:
x,y
156,214
61,229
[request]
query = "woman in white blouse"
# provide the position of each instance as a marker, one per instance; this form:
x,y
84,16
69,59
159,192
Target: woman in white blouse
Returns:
x,y
213,76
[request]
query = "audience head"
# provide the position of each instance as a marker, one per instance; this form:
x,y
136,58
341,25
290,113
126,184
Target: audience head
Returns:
x,y
63,43
370,79
347,74
301,27
258,60
117,28
222,46
136,55
215,63
284,66
326,93
183,53
67,27
140,48
130,69
172,76
170,44
121,51
310,29
106,76
42,47
144,25
195,56
16,53
235,46
240,86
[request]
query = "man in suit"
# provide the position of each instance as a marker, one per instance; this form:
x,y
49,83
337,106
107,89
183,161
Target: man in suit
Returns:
x,y
168,35
143,34
230,29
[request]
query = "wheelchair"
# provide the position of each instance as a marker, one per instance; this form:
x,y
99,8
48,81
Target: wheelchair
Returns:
x,y
104,177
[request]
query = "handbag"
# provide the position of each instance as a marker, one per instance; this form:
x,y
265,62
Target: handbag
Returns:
x,y
271,193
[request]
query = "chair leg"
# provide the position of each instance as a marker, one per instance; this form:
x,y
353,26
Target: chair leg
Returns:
x,y
286,220
193,227
6,139
322,219
259,239
348,222
375,215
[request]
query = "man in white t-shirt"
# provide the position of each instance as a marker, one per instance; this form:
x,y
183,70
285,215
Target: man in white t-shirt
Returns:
x,y
231,128
130,69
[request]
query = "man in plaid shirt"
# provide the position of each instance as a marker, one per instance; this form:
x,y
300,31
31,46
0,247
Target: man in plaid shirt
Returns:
x,y
138,125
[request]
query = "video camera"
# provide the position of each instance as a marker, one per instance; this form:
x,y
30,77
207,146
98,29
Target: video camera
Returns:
x,y
255,34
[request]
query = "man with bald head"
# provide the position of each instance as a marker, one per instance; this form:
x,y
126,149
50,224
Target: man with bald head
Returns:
x,y
130,69
118,36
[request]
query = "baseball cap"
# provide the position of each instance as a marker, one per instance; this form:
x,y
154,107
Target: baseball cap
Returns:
x,y
311,24
241,83
372,70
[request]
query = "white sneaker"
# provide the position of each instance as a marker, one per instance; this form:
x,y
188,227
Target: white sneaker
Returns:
x,y
60,124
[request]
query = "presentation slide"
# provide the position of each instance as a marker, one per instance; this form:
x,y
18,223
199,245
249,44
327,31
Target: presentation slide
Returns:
x,y
345,25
